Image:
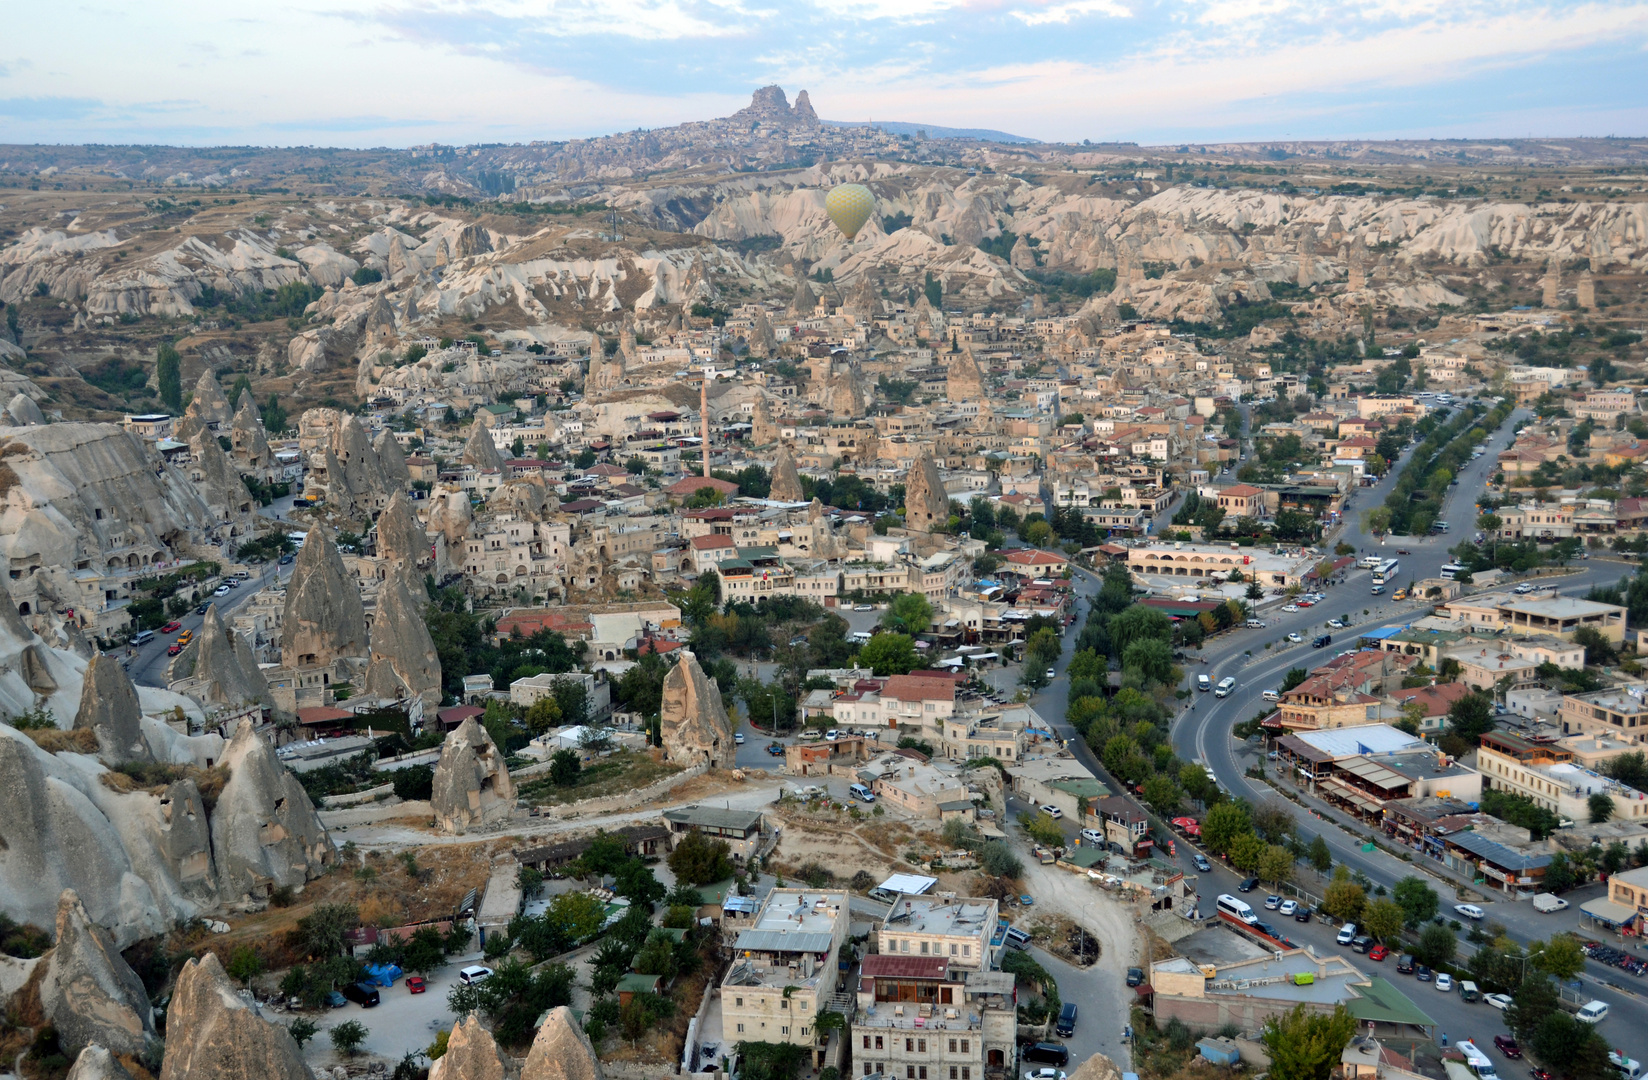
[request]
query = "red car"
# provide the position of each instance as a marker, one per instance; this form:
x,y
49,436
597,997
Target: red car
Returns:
x,y
173,649
1403,551
171,628
1378,952
1507,1046
415,984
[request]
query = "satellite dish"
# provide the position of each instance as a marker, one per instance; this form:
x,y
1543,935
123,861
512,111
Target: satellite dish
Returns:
x,y
849,206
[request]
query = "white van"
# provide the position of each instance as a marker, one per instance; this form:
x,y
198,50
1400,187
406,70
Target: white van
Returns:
x,y
143,637
861,793
1255,624
1271,695
1347,934
1592,1012
1203,683
1226,685
1235,908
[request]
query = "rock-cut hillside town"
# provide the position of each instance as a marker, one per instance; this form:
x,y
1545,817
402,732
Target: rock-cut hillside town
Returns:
x,y
1159,612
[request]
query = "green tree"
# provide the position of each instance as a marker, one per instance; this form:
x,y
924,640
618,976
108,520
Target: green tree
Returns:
x,y
1561,957
1343,897
1137,623
1436,946
169,377
889,654
244,964
700,860
324,932
302,1029
1572,1047
1418,900
1246,851
348,1036
1223,824
1276,864
909,613
1152,658
1038,533
1471,717
1320,856
1044,830
1306,1045
1382,918
1601,807
564,768
1163,795
997,859
1531,1003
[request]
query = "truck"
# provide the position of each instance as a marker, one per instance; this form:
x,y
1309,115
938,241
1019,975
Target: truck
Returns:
x,y
1545,903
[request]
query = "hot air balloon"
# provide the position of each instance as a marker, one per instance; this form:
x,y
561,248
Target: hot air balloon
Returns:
x,y
849,206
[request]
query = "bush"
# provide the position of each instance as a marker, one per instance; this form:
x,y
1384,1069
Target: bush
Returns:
x,y
414,782
348,1036
698,860
998,860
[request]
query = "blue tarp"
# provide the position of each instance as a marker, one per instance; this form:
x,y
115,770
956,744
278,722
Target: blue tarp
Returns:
x,y
1383,632
383,974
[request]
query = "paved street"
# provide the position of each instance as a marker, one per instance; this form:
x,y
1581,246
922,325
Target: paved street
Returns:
x,y
151,663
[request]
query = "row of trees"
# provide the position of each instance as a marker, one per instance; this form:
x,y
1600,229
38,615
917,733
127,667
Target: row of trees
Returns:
x,y
1415,500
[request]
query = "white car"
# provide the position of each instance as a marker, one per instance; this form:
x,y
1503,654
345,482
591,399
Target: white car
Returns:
x,y
832,735
221,590
738,737
1335,624
1470,911
863,607
1444,982
1047,1072
1295,638
1051,811
1291,609
1271,695
1289,907
1498,1001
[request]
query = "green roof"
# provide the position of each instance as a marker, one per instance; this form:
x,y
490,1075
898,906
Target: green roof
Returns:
x,y
1082,789
499,409
1381,1002
1085,856
638,984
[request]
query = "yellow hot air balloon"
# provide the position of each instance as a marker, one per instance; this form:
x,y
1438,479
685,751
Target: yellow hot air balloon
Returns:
x,y
849,206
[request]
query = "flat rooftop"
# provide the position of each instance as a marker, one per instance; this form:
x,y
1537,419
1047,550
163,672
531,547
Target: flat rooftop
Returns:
x,y
1365,739
1272,977
1560,607
928,915
797,913
1218,946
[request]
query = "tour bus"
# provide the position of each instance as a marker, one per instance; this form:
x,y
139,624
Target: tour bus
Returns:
x,y
1234,907
1385,571
1450,570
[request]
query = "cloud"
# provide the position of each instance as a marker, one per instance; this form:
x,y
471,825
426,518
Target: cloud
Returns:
x,y
1065,13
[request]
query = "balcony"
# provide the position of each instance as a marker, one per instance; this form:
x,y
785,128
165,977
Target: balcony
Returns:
x,y
908,1017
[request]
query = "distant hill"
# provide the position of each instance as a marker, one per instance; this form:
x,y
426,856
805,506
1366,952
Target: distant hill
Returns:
x,y
934,131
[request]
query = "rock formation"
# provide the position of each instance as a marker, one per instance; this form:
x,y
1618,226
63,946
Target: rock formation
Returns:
x,y
472,1054
361,472
324,620
402,546
247,437
23,412
219,484
182,834
1097,1067
96,1063
471,782
209,402
110,709
925,502
89,993
786,482
561,1050
392,463
215,660
212,1033
962,379
762,429
404,662
693,724
480,451
265,833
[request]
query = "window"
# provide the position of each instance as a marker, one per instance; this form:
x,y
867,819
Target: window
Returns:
x,y
785,1030
738,1002
967,950
965,1043
740,1027
952,1046
909,1072
921,1046
878,1042
924,1072
924,948
869,1069
803,1033
866,1042
904,945
909,1046
966,1072
952,948
953,1072
784,1003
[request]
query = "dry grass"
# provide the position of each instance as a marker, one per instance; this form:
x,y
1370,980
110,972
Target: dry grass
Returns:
x,y
624,771
156,778
56,740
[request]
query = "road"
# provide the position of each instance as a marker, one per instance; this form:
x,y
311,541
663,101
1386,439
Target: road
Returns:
x,y
150,666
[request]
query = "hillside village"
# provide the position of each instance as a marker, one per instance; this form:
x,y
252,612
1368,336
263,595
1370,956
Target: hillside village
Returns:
x,y
716,647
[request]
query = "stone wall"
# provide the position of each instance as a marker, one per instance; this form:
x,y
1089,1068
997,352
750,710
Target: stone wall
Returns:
x,y
372,812
355,798
629,800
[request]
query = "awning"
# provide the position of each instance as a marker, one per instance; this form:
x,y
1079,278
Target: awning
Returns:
x,y
1605,910
1336,787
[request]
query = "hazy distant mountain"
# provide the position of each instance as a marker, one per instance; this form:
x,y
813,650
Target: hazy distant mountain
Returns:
x,y
934,131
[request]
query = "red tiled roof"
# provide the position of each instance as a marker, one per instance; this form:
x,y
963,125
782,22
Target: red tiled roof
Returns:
x,y
1242,491
1436,699
709,543
457,714
692,484
322,714
914,688
1032,557
888,966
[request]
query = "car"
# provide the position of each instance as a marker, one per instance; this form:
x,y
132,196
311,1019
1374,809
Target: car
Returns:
x,y
1026,900
171,628
287,559
221,590
1295,638
474,973
233,584
185,637
1335,624
173,649
1201,863
775,749
1302,915
1378,953
1498,1001
1135,976
1248,885
415,984
1291,608
1470,911
1377,590
1050,810
1052,673
1046,1072
1542,1074
1400,594
738,737
832,735
335,1000
1507,1046
1404,964
1272,903
863,607
1307,603
1444,982
1422,973
1403,551
1289,907
1271,695
201,610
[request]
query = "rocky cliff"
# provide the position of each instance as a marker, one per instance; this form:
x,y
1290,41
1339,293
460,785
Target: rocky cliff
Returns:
x,y
403,547
480,451
471,783
693,721
265,833
472,1054
324,620
786,482
109,708
217,662
90,994
403,658
214,1034
925,502
561,1050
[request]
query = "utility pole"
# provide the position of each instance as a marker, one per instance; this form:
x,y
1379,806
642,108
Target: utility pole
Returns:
x,y
704,416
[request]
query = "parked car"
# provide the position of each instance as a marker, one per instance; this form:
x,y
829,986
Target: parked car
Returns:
x,y
415,984
221,590
1302,915
201,610
1498,1001
863,607
775,749
1052,673
1135,976
1507,1046
1092,836
1289,907
173,649
1050,810
1201,863
1272,902
1045,1073
1249,885
738,737
286,560
1422,973
474,973
171,628
1444,982
1295,638
1404,964
1470,911
363,994
335,1000
1378,952
1335,624
1290,608
185,637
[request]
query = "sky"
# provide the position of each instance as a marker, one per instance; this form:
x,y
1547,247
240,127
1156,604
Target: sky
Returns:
x,y
361,73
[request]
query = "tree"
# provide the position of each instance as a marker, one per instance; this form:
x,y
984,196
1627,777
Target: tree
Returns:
x,y
1276,864
1223,824
302,1029
1471,717
699,860
1136,623
1245,852
1044,830
169,377
1383,918
244,964
1163,795
1436,946
1343,898
323,932
1037,533
1306,1045
998,860
889,654
1532,1002
564,768
1572,1047
1152,658
1561,958
348,1036
426,948
1320,857
1601,807
1418,900
909,613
